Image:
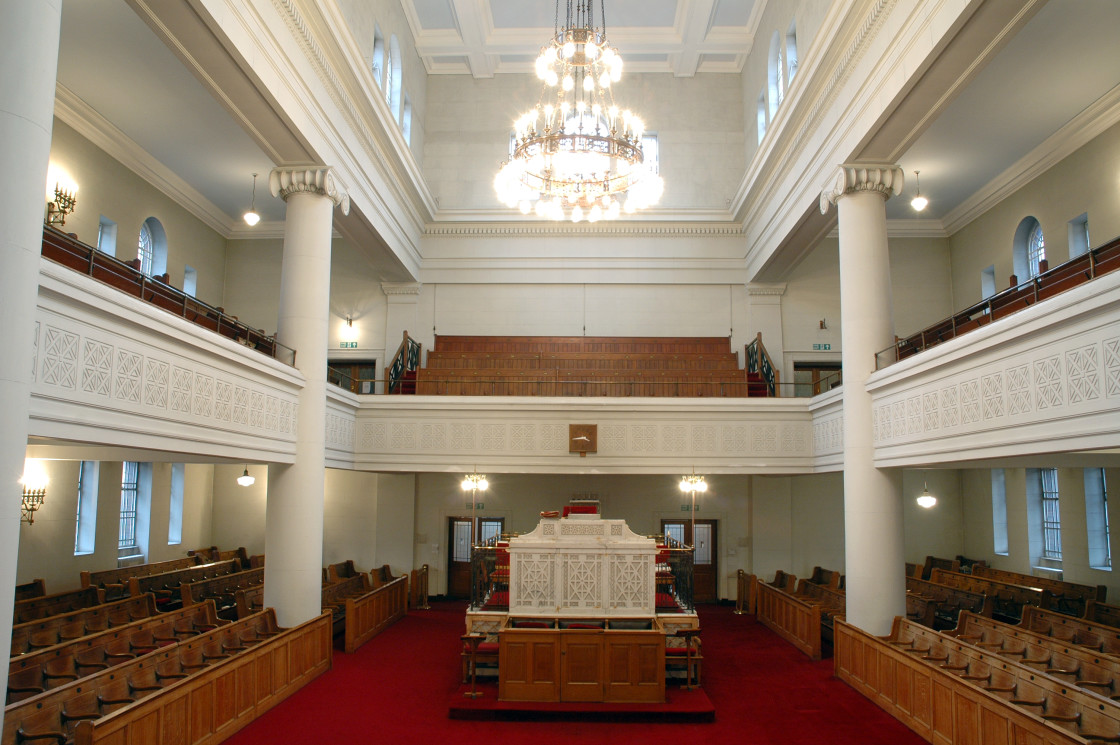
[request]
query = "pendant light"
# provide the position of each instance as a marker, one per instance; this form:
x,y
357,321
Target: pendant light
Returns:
x,y
251,217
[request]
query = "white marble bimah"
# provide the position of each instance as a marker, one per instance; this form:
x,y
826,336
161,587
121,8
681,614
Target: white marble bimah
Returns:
x,y
582,566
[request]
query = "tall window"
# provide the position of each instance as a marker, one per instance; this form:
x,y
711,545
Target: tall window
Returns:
x,y
1028,249
1051,516
650,155
152,247
761,115
146,251
107,236
378,63
1079,235
1036,250
175,516
791,51
130,499
1096,519
775,74
393,78
999,512
86,519
406,120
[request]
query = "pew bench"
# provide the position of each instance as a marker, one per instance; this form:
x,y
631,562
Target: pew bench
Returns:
x,y
221,590
826,577
36,588
33,609
38,671
937,606
340,571
165,585
213,554
1008,599
381,576
249,601
359,612
794,619
1079,631
784,581
115,581
46,632
1065,597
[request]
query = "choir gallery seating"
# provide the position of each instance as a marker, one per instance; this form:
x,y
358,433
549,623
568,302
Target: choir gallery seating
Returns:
x,y
585,366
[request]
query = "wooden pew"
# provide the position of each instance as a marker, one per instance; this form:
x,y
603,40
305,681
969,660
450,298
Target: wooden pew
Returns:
x,y
211,554
46,632
115,581
183,692
50,667
914,570
1102,613
826,577
933,562
36,588
1008,599
418,588
221,590
950,692
783,581
937,606
369,614
342,570
746,594
381,576
249,601
165,585
1080,631
1066,597
1087,669
60,602
794,619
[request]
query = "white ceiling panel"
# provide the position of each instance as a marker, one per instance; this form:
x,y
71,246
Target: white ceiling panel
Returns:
x,y
434,14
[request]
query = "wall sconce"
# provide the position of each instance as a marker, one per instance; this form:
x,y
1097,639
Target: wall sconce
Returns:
x,y
245,479
918,202
63,204
925,499
34,482
251,217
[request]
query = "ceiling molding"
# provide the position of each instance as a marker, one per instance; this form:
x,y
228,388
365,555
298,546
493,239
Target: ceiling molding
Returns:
x,y
87,122
506,217
1078,132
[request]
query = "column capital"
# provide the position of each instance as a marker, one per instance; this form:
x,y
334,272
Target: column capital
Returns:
x,y
401,288
884,179
754,289
284,182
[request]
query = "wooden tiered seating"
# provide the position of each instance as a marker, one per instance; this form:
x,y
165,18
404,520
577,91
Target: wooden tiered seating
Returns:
x,y
180,693
33,609
949,691
212,554
1102,613
584,366
1065,597
51,667
221,590
165,585
1008,599
46,632
115,581
1087,669
937,606
36,588
249,601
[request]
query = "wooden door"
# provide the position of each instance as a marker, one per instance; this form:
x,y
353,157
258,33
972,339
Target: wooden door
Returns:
x,y
705,558
459,558
581,666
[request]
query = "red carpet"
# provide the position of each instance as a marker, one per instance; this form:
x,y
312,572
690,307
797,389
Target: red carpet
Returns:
x,y
395,689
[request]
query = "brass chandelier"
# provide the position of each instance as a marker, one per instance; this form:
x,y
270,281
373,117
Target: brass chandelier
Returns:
x,y
576,154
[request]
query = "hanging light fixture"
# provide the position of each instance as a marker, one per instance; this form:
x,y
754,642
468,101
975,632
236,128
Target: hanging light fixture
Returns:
x,y
925,499
251,217
245,479
577,155
918,202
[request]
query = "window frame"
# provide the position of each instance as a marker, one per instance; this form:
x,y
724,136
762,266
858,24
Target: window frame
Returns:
x,y
130,509
1051,514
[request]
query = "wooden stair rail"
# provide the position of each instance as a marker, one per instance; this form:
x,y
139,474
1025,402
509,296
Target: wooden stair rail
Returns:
x,y
758,361
406,359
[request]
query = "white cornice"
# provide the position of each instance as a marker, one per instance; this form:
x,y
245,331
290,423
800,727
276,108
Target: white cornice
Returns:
x,y
612,228
87,122
1095,119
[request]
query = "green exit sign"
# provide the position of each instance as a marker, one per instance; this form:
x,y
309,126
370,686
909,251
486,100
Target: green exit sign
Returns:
x,y
348,345
476,505
684,508
821,347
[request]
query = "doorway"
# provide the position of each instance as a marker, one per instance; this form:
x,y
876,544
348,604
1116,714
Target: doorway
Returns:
x,y
814,378
705,558
459,556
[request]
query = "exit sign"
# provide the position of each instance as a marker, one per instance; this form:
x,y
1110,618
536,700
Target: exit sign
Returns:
x,y
348,345
821,347
684,508
476,505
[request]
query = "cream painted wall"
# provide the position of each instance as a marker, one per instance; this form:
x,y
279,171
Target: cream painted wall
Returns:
x,y
107,188
47,547
643,501
469,123
239,510
1084,182
1075,556
395,522
350,518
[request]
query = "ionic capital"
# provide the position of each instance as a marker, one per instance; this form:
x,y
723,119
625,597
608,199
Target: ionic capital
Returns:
x,y
884,179
284,182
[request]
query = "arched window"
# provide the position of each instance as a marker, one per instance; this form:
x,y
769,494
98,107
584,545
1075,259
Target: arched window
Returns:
x,y
406,120
761,115
152,247
775,74
378,63
791,51
1029,249
393,80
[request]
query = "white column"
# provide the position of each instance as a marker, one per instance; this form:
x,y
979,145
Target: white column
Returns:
x,y
294,518
873,529
29,60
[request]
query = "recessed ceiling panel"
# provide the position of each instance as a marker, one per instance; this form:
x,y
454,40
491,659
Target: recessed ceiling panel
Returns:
x,y
434,14
733,12
620,13
720,58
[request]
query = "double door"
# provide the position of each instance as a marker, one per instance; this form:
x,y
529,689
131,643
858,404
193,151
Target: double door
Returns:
x,y
705,558
460,535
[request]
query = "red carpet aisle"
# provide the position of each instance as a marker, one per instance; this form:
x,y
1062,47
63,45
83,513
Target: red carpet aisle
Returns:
x,y
395,690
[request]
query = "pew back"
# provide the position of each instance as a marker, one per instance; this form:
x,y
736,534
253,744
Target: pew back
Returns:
x,y
52,630
115,581
35,608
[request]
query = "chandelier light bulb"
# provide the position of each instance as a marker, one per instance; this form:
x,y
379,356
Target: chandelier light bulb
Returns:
x,y
589,83
569,83
569,50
